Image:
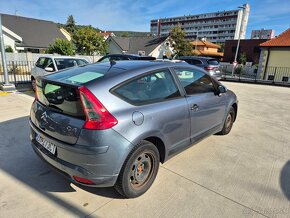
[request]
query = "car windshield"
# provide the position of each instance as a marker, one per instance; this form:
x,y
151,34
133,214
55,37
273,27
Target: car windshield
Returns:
x,y
213,62
63,63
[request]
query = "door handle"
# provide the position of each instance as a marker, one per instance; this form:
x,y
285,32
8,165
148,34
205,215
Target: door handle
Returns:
x,y
194,107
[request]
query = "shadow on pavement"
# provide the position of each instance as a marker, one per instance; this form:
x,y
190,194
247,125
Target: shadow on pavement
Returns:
x,y
18,159
285,180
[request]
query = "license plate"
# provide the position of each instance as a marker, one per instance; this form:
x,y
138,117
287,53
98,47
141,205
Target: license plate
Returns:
x,y
46,144
218,71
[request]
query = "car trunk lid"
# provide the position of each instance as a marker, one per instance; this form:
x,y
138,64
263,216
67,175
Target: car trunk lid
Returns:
x,y
58,111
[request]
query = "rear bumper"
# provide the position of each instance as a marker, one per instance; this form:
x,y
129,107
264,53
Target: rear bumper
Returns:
x,y
100,164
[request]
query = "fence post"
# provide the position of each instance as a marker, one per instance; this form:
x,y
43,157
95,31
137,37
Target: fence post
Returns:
x,y
14,73
274,75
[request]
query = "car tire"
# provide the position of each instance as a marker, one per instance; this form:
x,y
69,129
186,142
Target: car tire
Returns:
x,y
229,121
33,84
139,170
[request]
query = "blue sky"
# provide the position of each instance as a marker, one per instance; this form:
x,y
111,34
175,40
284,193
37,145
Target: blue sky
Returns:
x,y
135,15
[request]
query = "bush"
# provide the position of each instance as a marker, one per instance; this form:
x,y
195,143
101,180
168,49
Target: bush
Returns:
x,y
9,49
239,70
62,47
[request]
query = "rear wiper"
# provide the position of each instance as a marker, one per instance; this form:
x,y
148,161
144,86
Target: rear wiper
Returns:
x,y
55,108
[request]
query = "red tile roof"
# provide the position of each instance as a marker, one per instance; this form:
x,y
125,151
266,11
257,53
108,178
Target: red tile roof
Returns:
x,y
283,40
205,43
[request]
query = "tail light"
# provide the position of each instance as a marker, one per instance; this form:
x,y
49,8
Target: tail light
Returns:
x,y
209,68
97,116
83,180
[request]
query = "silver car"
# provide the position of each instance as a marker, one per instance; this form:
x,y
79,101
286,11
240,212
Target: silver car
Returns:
x,y
211,65
111,124
49,64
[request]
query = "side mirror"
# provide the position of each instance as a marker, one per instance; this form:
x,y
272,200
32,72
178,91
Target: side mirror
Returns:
x,y
49,69
221,89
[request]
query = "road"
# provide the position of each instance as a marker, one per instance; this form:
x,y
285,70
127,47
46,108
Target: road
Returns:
x,y
243,174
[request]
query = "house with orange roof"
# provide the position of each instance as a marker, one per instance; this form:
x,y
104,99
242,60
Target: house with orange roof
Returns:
x,y
106,34
206,48
274,63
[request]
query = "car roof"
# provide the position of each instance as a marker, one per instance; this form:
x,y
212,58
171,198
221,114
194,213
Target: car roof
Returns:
x,y
136,64
118,71
63,57
126,55
196,57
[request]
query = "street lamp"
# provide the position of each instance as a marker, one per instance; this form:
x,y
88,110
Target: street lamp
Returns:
x,y
4,65
239,38
196,39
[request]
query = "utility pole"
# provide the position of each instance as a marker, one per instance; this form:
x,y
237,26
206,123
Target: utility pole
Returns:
x,y
196,39
239,39
6,86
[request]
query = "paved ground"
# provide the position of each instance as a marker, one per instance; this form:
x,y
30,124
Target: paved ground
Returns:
x,y
244,174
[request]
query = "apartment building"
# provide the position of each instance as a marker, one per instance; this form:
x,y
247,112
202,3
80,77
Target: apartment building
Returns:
x,y
215,27
262,34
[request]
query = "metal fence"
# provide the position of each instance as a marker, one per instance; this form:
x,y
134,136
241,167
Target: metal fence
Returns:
x,y
18,71
273,75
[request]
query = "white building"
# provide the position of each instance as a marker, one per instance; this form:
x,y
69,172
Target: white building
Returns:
x,y
216,26
158,47
25,34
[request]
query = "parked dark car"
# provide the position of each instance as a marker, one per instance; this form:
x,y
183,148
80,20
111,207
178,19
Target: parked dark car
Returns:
x,y
111,124
211,65
124,57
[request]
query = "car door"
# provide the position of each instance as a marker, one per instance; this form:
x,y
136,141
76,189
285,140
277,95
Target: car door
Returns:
x,y
207,109
157,99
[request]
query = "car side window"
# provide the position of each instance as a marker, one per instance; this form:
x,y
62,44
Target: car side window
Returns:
x,y
49,63
104,59
194,81
40,63
81,62
195,62
155,87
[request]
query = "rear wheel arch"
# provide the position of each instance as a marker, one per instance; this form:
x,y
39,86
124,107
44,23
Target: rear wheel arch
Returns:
x,y
160,146
235,106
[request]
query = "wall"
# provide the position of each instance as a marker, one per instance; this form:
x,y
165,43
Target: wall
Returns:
x,y
279,57
162,49
249,46
8,41
113,48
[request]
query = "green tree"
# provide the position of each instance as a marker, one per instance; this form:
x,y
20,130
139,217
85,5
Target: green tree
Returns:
x,y
89,42
62,47
9,49
222,47
125,34
70,25
243,58
181,46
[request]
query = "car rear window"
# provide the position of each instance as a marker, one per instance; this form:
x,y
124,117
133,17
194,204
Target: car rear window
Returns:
x,y
213,62
82,75
61,98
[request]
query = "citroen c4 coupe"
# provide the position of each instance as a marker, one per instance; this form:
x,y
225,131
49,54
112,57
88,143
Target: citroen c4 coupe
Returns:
x,y
112,124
